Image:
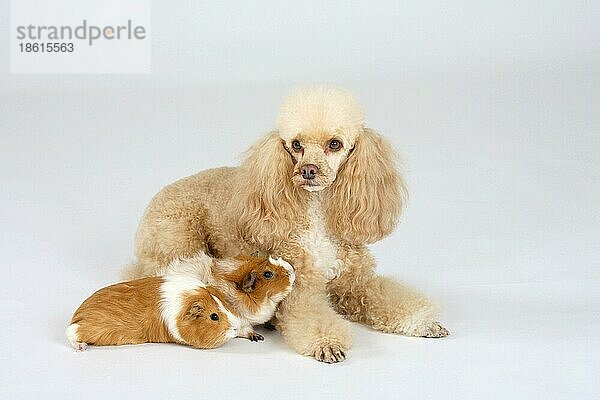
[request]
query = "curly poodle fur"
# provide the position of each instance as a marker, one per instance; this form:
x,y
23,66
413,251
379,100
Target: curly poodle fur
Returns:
x,y
315,191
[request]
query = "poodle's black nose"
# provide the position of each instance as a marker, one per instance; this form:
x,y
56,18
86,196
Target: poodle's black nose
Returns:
x,y
309,171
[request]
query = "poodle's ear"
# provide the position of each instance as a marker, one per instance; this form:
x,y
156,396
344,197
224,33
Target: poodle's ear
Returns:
x,y
367,197
267,205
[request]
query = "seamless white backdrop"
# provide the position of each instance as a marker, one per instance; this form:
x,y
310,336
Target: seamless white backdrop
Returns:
x,y
494,107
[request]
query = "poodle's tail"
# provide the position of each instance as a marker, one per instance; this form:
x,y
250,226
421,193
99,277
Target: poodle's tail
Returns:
x,y
140,269
131,271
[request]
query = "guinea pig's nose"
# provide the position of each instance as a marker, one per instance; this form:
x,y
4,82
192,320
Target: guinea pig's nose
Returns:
x,y
309,171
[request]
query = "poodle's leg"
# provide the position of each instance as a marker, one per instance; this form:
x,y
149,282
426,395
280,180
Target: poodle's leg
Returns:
x,y
380,302
309,325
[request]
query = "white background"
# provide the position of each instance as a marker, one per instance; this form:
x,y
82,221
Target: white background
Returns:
x,y
495,108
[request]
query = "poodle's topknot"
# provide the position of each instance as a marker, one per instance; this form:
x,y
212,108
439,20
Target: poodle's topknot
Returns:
x,y
325,108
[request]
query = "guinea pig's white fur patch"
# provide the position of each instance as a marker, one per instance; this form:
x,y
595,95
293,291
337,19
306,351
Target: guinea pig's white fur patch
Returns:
x,y
172,289
285,265
199,266
71,333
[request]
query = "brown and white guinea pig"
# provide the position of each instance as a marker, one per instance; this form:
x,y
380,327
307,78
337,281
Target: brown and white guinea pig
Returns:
x,y
175,308
251,286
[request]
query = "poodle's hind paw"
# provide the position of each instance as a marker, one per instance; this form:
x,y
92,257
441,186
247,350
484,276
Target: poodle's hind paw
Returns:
x,y
430,330
329,353
419,324
434,330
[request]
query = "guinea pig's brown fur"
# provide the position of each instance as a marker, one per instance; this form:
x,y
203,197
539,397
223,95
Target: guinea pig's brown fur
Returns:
x,y
175,308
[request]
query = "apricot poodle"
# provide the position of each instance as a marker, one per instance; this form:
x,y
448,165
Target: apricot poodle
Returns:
x,y
315,191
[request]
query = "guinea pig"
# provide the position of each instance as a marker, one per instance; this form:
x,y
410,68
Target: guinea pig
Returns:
x,y
175,308
252,286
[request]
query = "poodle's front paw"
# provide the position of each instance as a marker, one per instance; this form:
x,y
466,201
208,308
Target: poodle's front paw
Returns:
x,y
329,352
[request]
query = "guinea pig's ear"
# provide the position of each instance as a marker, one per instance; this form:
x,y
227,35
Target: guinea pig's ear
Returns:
x,y
249,283
195,311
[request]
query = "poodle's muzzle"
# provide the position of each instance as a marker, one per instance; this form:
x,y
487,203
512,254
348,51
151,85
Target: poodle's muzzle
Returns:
x,y
309,171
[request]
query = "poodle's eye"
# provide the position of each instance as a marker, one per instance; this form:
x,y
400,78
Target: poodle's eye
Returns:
x,y
268,274
296,145
214,316
335,145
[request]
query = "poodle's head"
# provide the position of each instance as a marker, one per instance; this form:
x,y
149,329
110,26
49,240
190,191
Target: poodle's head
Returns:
x,y
318,127
320,145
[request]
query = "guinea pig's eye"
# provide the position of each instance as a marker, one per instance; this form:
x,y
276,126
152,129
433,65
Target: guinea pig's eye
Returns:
x,y
335,145
296,146
214,316
268,274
